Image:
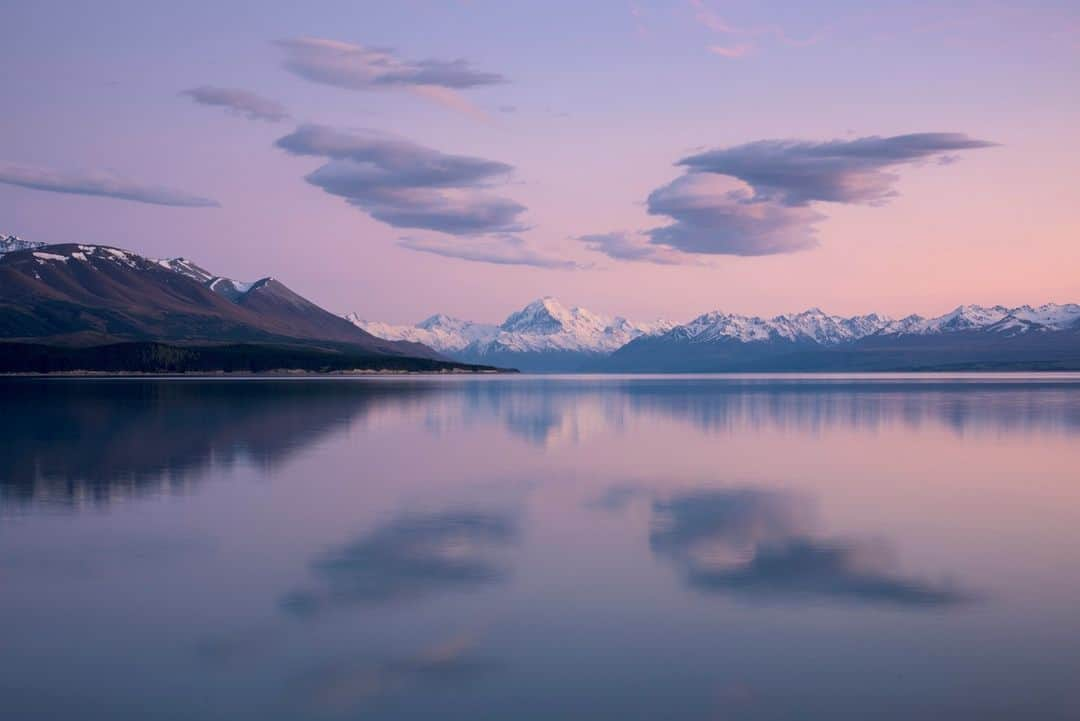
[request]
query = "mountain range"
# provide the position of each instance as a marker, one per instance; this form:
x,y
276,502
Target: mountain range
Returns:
x,y
77,306
547,336
92,304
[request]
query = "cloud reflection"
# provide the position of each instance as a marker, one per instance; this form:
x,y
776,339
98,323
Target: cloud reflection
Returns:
x,y
763,543
409,558
346,686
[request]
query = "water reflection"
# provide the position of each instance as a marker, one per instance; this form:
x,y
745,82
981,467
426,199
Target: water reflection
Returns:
x,y
764,544
89,442
411,557
554,411
347,686
92,441
538,548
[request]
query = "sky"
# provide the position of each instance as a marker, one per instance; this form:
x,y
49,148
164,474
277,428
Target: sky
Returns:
x,y
647,159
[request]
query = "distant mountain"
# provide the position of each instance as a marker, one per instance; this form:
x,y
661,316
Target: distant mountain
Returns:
x,y
969,337
74,295
442,332
543,336
547,336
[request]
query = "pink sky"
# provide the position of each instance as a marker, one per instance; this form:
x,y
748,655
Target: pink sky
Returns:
x,y
592,111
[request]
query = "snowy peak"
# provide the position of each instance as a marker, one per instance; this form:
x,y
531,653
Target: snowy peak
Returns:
x,y
97,254
446,323
545,325
546,316
11,243
444,333
967,317
809,326
997,318
185,267
1050,316
815,326
94,256
228,287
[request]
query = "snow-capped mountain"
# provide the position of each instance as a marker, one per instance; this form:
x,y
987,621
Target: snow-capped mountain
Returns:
x,y
547,336
814,340
71,291
228,287
441,332
998,318
814,326
10,243
231,289
547,325
544,335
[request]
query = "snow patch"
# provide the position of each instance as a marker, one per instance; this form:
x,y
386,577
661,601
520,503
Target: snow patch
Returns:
x,y
43,256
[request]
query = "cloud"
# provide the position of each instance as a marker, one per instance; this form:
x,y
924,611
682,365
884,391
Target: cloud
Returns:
x,y
709,19
795,173
499,250
99,184
242,102
715,215
622,245
412,557
407,185
749,541
356,67
734,51
756,198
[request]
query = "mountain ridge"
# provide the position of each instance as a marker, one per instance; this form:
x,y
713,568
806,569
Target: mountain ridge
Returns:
x,y
145,313
546,335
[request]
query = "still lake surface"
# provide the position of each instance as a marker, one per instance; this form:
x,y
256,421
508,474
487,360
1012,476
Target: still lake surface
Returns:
x,y
684,547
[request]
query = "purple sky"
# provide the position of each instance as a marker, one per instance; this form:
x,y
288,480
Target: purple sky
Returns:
x,y
643,158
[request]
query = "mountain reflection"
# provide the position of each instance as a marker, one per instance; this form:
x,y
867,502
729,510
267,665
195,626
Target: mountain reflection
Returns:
x,y
548,412
411,557
764,544
91,441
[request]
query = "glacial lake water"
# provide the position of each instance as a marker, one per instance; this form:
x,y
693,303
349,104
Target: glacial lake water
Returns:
x,y
725,547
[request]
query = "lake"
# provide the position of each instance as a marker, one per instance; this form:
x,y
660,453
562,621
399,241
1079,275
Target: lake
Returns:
x,y
541,547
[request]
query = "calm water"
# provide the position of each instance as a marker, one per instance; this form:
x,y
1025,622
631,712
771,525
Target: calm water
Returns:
x,y
541,548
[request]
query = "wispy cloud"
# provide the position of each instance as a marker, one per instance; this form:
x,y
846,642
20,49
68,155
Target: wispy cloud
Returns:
x,y
705,16
241,102
734,51
358,67
761,198
844,171
498,250
407,185
713,21
720,216
98,184
623,245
